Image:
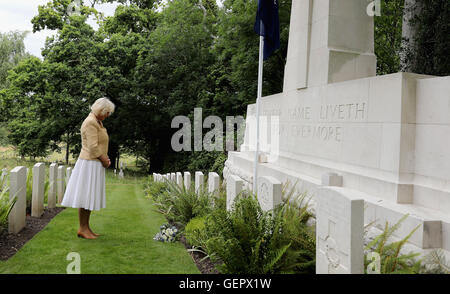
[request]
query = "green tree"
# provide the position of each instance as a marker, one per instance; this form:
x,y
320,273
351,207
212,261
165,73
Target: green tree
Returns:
x,y
12,50
388,36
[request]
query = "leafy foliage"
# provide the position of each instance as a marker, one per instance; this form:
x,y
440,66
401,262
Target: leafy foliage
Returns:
x,y
6,205
388,36
195,232
180,205
391,259
249,240
436,263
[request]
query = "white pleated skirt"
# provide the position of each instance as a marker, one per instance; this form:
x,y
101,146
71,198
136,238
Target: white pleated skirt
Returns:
x,y
86,186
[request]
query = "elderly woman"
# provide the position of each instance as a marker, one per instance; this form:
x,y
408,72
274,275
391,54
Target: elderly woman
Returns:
x,y
86,187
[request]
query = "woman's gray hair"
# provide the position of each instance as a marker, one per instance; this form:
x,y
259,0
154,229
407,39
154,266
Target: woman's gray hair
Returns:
x,y
103,105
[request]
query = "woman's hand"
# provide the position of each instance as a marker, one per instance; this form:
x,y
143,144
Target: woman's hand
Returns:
x,y
106,162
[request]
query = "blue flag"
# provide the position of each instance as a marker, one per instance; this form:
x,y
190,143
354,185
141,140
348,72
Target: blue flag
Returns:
x,y
270,28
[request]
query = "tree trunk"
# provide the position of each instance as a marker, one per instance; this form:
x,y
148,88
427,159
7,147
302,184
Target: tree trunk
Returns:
x,y
410,10
113,154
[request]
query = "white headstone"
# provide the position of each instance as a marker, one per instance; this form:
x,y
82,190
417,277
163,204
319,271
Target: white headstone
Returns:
x,y
213,182
199,181
179,179
173,177
53,185
18,189
339,232
115,172
68,175
234,187
4,179
269,192
61,182
187,180
37,201
121,175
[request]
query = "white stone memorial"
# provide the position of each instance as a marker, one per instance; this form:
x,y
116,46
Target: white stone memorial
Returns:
x,y
187,180
121,175
179,179
199,181
53,185
18,189
213,182
338,124
61,183
234,187
339,233
37,200
269,192
68,175
173,177
4,179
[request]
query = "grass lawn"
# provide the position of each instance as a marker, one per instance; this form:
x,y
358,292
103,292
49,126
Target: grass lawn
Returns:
x,y
127,224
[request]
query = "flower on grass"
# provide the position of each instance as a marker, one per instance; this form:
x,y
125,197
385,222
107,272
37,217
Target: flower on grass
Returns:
x,y
167,233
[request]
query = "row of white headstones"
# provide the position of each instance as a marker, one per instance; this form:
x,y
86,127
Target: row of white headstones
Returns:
x,y
58,177
269,189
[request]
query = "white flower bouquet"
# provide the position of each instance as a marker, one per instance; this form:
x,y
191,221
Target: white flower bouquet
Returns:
x,y
167,233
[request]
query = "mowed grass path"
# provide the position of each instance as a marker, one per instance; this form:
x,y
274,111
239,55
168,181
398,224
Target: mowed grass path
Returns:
x,y
126,246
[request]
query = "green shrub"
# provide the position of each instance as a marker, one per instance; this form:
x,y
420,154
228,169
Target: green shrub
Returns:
x,y
195,232
247,240
391,261
180,205
5,208
29,191
155,189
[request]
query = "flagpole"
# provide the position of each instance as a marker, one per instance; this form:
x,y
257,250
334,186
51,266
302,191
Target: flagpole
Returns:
x,y
258,98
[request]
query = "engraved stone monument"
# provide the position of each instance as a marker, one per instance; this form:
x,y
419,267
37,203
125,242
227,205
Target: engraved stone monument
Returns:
x,y
234,187
52,189
187,180
18,189
213,182
37,201
339,233
384,138
269,192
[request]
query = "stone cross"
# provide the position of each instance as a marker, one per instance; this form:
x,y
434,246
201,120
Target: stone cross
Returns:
x,y
213,183
329,41
234,186
339,232
61,182
199,181
18,189
187,180
52,189
37,200
269,192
